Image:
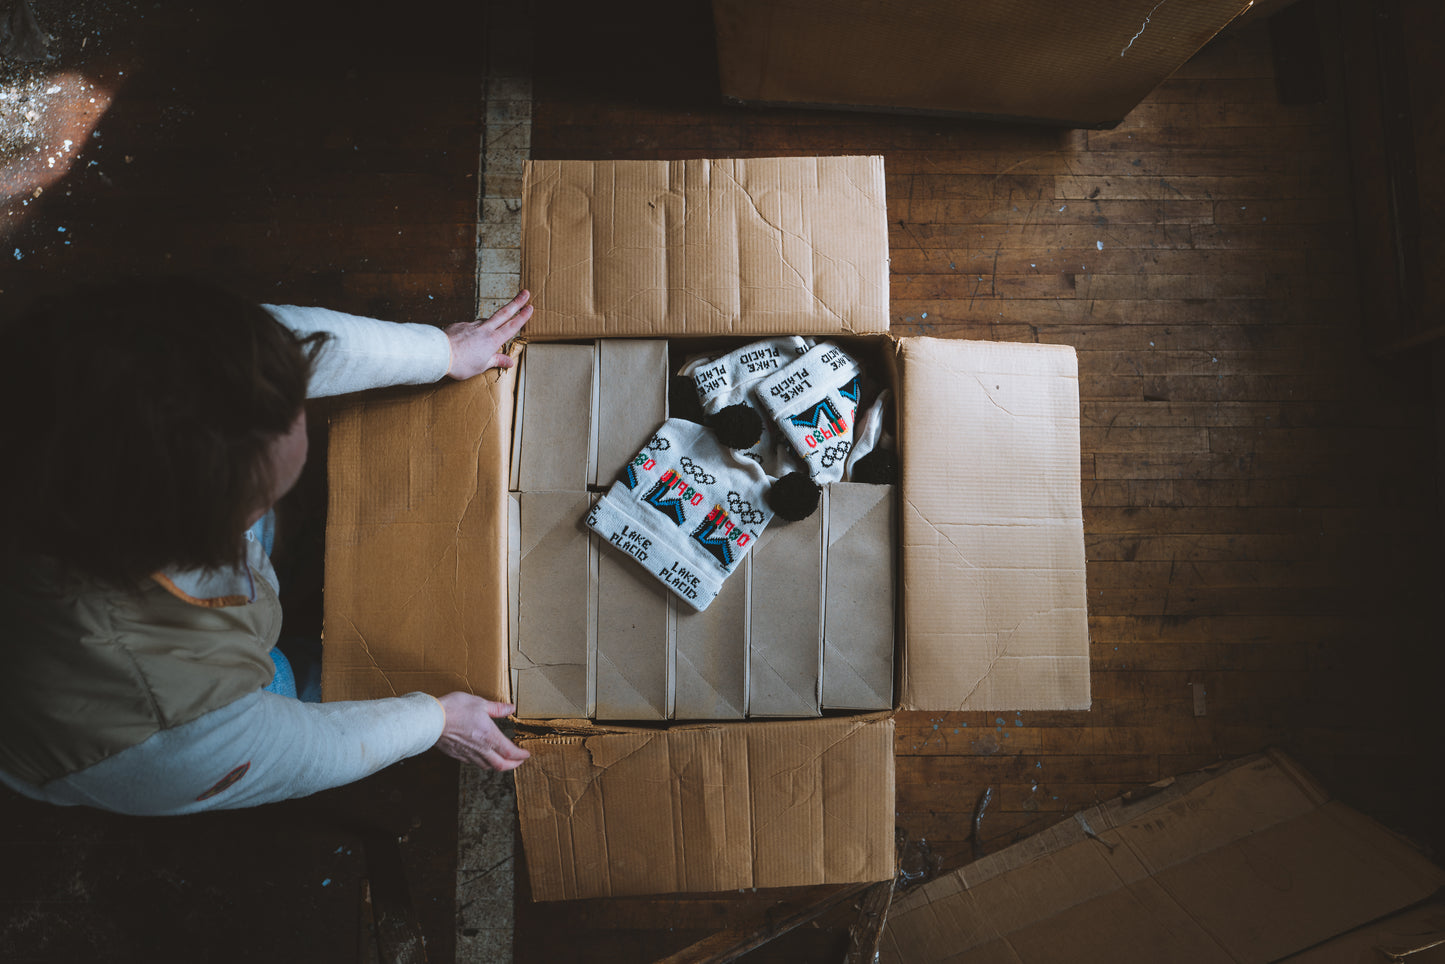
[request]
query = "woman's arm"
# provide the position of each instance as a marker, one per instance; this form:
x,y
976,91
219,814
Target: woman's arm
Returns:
x,y
263,748
367,353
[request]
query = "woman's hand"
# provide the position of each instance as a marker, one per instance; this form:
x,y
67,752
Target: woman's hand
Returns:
x,y
470,735
477,345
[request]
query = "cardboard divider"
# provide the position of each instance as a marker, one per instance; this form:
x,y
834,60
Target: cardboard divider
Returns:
x,y
785,629
634,664
556,623
632,379
711,655
860,536
556,447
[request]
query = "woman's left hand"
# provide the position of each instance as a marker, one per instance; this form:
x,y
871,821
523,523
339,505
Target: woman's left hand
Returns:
x,y
477,345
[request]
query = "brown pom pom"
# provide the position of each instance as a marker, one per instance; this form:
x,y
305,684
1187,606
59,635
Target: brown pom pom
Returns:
x,y
794,497
878,467
737,426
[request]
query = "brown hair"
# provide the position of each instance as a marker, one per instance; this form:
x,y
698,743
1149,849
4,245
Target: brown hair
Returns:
x,y
142,416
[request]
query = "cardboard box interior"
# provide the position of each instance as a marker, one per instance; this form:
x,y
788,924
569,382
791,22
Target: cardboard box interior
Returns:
x,y
651,656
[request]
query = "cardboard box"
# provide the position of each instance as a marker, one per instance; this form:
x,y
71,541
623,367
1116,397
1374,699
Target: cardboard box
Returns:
x,y
991,526
1020,59
1249,862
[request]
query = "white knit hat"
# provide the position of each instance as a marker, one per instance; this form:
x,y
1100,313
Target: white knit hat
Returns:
x,y
813,402
726,380
687,508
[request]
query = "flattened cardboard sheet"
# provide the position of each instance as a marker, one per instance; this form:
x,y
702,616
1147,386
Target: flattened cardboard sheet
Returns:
x,y
785,632
632,382
711,661
1008,58
556,446
993,527
751,246
708,808
551,656
858,600
634,657
416,542
1248,863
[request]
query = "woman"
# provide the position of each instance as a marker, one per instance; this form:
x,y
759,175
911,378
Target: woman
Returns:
x,y
161,423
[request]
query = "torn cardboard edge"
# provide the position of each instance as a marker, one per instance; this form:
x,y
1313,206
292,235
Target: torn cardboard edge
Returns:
x,y
1247,861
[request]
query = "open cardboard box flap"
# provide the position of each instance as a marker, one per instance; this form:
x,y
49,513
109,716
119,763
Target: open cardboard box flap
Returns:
x,y
763,246
991,525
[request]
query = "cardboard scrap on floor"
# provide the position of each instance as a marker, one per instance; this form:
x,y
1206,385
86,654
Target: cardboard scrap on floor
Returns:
x,y
1250,862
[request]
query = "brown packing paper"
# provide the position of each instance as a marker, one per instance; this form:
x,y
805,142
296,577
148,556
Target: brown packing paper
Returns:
x,y
754,246
785,622
708,808
711,659
1249,863
632,382
633,657
633,639
556,446
993,542
416,547
550,658
858,600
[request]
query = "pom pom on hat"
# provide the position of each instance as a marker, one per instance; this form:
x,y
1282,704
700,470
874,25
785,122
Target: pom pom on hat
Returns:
x,y
737,426
794,497
682,400
878,467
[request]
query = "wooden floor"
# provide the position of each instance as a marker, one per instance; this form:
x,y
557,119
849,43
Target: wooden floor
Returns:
x,y
1260,501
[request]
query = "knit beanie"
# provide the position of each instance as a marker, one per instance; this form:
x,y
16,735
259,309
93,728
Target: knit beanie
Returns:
x,y
687,508
813,402
724,388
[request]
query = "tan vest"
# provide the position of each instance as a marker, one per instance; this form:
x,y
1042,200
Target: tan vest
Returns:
x,y
86,672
